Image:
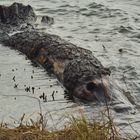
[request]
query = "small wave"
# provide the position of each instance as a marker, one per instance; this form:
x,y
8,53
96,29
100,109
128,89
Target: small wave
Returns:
x,y
83,9
102,11
137,35
91,13
59,11
123,29
120,108
95,5
41,9
68,6
96,30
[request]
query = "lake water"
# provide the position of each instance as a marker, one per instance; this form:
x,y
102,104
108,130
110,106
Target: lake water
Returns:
x,y
90,24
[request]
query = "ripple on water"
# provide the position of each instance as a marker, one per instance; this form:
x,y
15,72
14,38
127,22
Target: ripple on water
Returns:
x,y
123,29
102,11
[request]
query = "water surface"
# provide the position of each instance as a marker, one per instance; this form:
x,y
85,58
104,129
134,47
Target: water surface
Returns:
x,y
90,24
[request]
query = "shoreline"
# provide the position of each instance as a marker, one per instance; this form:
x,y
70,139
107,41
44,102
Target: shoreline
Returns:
x,y
77,128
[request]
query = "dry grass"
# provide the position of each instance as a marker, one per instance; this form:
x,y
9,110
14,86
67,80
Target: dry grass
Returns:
x,y
78,128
